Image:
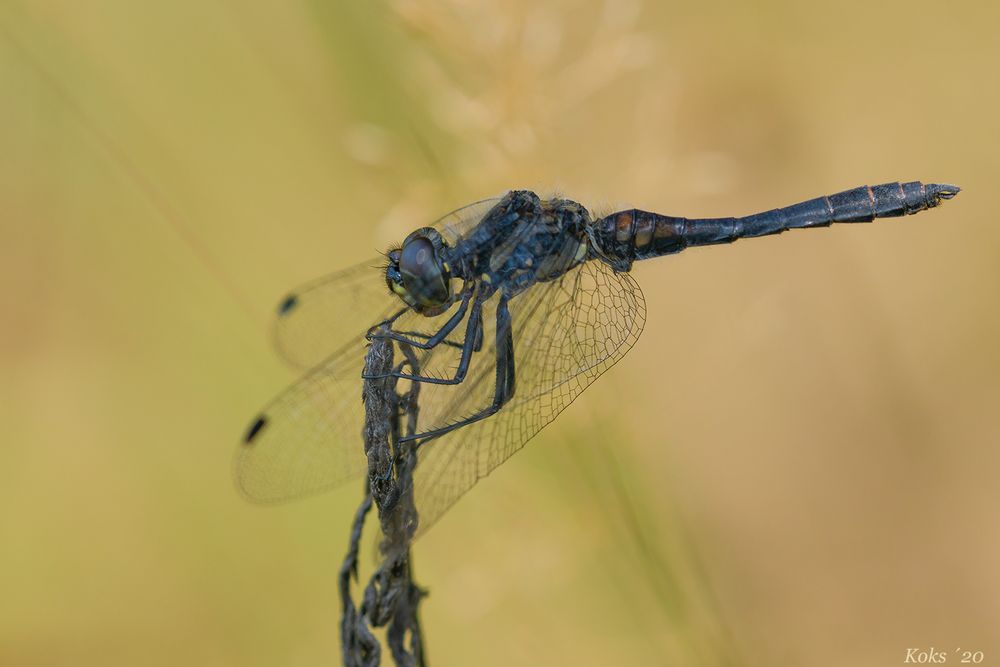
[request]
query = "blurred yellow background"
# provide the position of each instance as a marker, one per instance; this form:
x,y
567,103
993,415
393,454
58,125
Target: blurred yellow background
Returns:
x,y
796,465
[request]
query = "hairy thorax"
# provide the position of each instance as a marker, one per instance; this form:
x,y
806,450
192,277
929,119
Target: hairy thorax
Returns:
x,y
525,240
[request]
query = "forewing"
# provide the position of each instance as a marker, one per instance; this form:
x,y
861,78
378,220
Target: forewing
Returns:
x,y
566,333
322,318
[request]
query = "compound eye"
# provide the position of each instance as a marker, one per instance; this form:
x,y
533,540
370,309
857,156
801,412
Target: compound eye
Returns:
x,y
422,275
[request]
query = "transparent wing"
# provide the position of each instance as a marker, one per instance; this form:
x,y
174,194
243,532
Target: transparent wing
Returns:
x,y
308,439
566,333
322,317
459,222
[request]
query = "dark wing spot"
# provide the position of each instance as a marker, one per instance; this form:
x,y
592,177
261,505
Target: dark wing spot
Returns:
x,y
286,306
254,429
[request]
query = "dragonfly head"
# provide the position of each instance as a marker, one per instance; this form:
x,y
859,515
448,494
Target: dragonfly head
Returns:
x,y
418,274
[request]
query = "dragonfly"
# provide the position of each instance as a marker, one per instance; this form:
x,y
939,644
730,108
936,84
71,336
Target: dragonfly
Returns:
x,y
512,307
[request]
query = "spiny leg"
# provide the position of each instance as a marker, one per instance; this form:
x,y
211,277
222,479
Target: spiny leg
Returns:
x,y
405,337
473,334
432,340
505,379
476,346
423,336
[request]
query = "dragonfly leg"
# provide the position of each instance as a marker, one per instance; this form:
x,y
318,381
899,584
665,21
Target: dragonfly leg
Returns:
x,y
423,336
432,340
476,346
505,380
473,333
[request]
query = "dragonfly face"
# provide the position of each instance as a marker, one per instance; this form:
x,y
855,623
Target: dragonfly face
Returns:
x,y
419,275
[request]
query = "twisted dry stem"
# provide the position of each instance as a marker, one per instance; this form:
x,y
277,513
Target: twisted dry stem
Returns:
x,y
390,598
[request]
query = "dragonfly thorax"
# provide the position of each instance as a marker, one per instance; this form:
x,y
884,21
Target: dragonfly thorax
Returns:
x,y
523,240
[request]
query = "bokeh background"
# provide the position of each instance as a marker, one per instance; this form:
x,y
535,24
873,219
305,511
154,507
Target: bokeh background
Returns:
x,y
796,465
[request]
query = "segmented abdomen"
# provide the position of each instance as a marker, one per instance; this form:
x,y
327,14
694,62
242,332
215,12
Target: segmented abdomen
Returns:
x,y
634,234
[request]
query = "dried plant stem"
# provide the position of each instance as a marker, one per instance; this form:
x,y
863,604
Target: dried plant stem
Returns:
x,y
390,598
